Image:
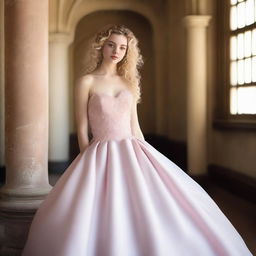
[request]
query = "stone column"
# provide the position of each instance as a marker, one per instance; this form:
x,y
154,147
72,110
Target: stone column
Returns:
x,y
196,93
160,88
59,97
26,118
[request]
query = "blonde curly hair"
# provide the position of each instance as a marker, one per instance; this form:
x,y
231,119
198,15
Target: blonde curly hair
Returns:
x,y
128,67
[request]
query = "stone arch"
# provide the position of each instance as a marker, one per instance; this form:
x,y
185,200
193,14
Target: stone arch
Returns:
x,y
80,9
64,19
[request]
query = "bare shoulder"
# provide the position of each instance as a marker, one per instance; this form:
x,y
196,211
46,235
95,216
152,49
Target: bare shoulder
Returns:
x,y
83,86
85,81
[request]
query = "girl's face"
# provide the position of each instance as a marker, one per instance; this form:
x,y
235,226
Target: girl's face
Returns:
x,y
114,48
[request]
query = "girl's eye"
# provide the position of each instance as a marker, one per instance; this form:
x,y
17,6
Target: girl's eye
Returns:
x,y
123,48
111,45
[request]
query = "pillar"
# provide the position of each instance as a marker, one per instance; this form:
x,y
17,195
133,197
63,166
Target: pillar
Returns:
x,y
196,93
26,118
160,88
59,97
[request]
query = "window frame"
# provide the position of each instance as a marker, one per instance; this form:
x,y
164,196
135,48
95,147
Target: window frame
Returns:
x,y
222,116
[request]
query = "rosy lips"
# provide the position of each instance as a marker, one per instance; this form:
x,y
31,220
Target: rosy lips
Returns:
x,y
114,57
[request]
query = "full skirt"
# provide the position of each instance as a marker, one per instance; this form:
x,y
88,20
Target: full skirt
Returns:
x,y
125,198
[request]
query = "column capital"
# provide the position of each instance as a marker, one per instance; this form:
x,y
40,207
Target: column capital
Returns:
x,y
61,37
199,21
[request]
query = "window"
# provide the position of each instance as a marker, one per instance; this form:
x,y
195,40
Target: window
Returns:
x,y
236,64
242,66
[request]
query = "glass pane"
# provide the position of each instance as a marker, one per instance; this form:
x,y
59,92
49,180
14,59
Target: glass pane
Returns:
x,y
254,42
233,101
246,100
249,12
240,45
233,73
233,49
254,10
254,69
233,18
241,15
240,72
233,2
247,43
248,70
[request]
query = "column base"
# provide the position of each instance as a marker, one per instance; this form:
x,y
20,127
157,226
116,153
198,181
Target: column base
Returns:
x,y
9,252
15,227
16,214
22,198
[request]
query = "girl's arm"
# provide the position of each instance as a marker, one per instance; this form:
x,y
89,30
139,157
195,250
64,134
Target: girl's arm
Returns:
x,y
136,130
81,94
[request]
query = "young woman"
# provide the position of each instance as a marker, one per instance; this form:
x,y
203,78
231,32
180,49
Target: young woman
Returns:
x,y
120,196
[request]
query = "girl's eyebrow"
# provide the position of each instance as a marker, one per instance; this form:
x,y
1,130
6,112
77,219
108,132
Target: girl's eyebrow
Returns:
x,y
115,43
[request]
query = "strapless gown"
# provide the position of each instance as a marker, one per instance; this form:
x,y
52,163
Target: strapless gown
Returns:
x,y
122,197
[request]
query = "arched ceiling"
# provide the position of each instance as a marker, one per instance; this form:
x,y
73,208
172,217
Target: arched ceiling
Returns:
x,y
64,15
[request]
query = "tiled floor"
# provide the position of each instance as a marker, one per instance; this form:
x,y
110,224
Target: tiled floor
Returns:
x,y
240,212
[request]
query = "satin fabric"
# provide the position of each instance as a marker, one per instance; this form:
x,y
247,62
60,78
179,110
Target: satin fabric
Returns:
x,y
122,197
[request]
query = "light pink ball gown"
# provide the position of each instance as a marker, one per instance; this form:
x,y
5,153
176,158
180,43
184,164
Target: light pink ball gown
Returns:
x,y
122,197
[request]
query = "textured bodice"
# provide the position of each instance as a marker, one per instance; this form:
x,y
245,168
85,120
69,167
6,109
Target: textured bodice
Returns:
x,y
109,116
